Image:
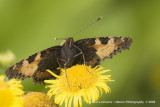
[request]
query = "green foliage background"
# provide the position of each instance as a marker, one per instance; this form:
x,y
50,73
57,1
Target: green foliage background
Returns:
x,y
29,26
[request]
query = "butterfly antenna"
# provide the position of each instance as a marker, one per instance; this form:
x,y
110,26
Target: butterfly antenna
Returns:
x,y
58,38
87,26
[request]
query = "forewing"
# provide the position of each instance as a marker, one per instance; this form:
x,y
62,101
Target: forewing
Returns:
x,y
35,66
97,49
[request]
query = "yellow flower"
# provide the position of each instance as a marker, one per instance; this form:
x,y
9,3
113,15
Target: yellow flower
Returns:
x,y
82,85
38,99
10,93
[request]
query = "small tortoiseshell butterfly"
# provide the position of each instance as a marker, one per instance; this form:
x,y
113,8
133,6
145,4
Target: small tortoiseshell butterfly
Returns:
x,y
85,51
88,51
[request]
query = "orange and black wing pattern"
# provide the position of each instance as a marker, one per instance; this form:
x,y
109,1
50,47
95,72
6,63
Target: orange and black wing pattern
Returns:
x,y
93,49
35,66
97,49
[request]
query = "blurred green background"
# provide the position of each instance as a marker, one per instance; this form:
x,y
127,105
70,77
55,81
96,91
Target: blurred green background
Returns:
x,y
29,26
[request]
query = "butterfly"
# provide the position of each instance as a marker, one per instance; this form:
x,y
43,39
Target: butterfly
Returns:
x,y
90,51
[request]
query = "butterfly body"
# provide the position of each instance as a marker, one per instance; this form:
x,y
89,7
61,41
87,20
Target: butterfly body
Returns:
x,y
88,51
68,50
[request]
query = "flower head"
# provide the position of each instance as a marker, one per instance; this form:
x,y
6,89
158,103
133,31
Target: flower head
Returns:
x,y
82,83
10,93
38,99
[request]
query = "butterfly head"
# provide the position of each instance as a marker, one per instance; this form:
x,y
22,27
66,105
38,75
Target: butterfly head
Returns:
x,y
68,42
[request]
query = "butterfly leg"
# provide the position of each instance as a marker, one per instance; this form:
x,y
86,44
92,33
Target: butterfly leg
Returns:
x,y
66,74
58,59
81,53
64,68
59,65
85,62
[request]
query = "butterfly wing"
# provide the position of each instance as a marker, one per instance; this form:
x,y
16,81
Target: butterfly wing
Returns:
x,y
35,66
97,49
94,50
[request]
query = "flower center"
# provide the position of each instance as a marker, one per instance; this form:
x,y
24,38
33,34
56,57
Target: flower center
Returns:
x,y
78,78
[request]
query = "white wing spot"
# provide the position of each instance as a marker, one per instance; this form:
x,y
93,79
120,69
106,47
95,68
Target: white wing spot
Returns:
x,y
25,62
